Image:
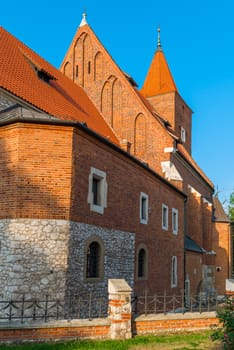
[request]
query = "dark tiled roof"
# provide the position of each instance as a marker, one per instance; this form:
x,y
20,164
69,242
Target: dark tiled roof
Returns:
x,y
219,213
191,245
29,77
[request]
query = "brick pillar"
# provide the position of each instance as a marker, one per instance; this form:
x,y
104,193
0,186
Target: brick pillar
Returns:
x,y
119,312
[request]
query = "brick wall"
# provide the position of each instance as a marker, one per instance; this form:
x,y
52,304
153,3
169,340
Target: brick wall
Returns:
x,y
171,323
46,176
114,96
194,271
131,119
126,180
100,328
222,247
171,107
36,171
56,331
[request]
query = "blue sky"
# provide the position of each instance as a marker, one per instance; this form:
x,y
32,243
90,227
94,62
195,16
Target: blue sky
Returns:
x,y
197,39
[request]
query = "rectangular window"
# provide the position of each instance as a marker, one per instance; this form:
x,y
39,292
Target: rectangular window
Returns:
x,y
96,191
97,195
174,221
174,272
165,217
143,208
183,134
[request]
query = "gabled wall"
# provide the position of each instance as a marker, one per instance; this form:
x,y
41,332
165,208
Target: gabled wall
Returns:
x,y
87,63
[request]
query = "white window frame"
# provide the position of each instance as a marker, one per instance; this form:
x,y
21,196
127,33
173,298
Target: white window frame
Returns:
x,y
174,277
101,176
144,198
175,222
183,134
165,208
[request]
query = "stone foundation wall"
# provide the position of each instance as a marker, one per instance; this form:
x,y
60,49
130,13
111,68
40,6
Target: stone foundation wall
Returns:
x,y
47,257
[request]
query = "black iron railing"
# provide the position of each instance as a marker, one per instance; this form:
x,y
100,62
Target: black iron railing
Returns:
x,y
46,309
155,304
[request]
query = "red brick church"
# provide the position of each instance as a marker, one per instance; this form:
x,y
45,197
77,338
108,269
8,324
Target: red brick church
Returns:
x,y
98,180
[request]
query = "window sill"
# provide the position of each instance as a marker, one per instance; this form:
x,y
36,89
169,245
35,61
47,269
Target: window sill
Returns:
x,y
97,208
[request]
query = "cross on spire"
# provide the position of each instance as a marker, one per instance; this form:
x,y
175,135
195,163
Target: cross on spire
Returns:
x,y
159,39
83,21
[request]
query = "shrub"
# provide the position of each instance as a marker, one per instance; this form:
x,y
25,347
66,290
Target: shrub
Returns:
x,y
225,333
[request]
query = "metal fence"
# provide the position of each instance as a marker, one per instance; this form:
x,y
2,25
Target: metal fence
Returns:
x,y
166,304
89,306
22,310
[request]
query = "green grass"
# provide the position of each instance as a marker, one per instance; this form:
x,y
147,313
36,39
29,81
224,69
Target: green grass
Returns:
x,y
186,341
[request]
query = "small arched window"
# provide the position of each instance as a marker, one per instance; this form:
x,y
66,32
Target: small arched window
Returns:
x,y
89,67
94,259
142,263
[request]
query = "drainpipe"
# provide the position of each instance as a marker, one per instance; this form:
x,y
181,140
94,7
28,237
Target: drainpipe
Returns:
x,y
185,231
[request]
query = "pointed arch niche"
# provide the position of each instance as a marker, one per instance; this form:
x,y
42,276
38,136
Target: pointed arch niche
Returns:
x,y
78,60
117,116
98,66
67,70
140,136
88,60
111,102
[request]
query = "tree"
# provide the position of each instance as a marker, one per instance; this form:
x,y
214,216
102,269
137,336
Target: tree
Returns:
x,y
225,332
231,206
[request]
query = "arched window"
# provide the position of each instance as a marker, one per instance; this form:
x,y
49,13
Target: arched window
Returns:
x,y
94,254
93,260
142,263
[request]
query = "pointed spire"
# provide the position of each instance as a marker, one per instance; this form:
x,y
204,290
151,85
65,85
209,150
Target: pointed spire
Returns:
x,y
159,79
159,46
83,21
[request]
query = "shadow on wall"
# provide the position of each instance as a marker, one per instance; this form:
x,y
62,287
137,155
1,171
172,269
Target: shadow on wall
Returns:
x,y
221,245
33,234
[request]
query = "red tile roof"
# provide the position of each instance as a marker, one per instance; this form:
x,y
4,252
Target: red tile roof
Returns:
x,y
59,96
159,79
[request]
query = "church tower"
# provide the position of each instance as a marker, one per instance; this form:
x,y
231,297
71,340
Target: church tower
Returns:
x,y
160,90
